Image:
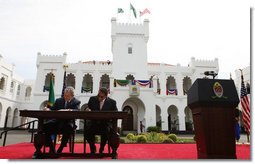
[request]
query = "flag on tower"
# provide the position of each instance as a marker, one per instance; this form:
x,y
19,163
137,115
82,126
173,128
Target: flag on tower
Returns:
x,y
64,85
120,10
144,12
245,106
51,97
132,8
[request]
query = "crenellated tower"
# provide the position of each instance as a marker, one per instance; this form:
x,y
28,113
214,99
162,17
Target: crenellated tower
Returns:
x,y
129,49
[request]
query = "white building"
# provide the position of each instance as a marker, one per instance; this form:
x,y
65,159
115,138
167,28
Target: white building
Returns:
x,y
159,92
15,95
154,93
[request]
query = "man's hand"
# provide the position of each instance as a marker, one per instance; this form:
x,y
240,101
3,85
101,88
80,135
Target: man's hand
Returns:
x,y
46,109
87,109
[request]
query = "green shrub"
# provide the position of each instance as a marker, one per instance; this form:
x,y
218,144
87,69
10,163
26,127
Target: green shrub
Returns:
x,y
172,137
122,140
161,137
168,140
130,136
153,129
153,137
141,139
143,133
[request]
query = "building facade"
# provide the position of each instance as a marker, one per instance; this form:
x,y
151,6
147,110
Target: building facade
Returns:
x,y
154,93
15,95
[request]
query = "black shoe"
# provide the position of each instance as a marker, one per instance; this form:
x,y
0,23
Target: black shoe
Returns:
x,y
52,149
101,150
93,149
60,149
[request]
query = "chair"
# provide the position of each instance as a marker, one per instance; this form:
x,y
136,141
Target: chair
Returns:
x,y
71,140
84,140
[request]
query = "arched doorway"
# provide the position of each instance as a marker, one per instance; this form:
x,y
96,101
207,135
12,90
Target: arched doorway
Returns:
x,y
137,109
173,120
127,123
15,121
43,104
188,119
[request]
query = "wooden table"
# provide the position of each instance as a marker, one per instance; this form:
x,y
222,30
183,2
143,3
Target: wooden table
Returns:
x,y
86,115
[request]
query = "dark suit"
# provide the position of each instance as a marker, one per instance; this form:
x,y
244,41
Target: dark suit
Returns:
x,y
63,126
101,127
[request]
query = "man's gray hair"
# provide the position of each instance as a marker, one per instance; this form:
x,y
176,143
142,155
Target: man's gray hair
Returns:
x,y
70,89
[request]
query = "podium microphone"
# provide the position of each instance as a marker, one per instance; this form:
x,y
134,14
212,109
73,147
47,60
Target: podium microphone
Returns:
x,y
211,73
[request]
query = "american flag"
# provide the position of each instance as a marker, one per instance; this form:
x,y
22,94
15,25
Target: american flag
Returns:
x,y
246,106
64,85
144,12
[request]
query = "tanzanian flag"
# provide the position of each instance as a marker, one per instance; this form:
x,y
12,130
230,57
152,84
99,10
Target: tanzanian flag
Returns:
x,y
51,98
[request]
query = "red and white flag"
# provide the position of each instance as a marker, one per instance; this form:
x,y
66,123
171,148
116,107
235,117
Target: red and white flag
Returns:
x,y
144,12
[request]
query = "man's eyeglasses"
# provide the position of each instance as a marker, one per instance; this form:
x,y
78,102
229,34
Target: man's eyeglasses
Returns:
x,y
100,96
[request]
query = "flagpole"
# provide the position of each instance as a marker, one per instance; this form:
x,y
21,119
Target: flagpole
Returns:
x,y
65,66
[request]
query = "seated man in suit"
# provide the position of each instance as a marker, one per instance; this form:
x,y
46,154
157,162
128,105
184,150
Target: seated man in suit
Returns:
x,y
66,127
103,127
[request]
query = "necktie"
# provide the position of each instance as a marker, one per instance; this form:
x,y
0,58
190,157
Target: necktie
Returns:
x,y
65,104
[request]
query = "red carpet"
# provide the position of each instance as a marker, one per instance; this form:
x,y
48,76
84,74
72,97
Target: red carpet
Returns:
x,y
129,151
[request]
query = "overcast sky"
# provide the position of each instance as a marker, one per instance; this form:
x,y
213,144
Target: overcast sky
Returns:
x,y
179,30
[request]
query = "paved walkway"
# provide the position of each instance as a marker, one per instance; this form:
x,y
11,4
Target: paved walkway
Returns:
x,y
18,136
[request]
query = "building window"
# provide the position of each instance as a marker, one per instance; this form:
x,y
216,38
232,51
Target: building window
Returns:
x,y
48,77
87,84
105,81
2,81
12,87
18,90
70,80
171,86
186,84
130,48
28,91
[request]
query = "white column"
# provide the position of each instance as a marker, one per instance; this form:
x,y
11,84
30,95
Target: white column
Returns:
x,y
179,84
78,81
181,115
111,85
162,81
154,82
96,81
164,117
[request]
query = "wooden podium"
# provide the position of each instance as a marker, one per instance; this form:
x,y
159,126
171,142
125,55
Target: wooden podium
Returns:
x,y
213,104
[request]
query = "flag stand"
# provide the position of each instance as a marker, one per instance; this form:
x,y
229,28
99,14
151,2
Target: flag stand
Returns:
x,y
248,137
